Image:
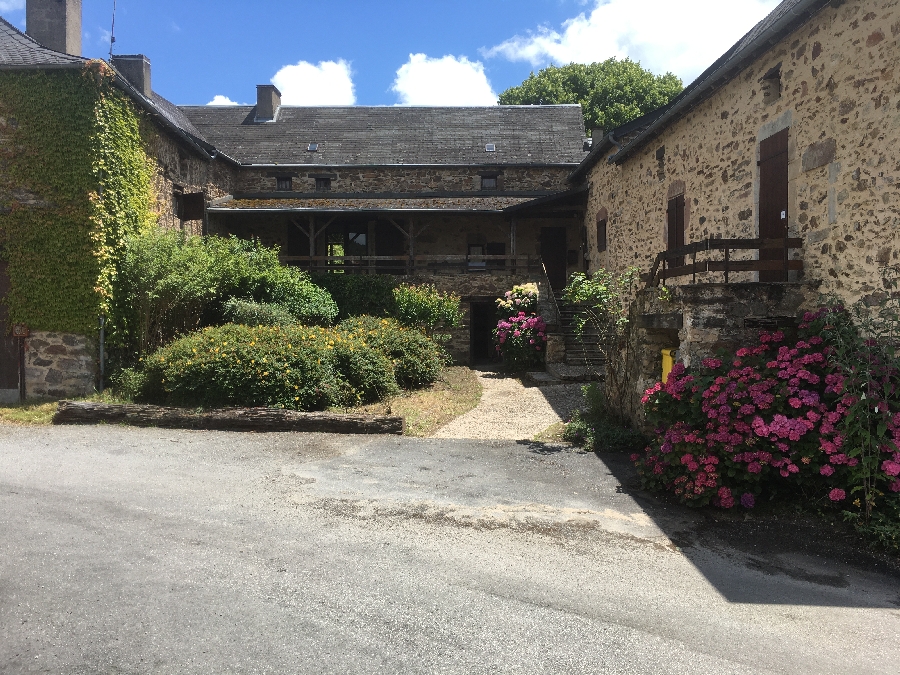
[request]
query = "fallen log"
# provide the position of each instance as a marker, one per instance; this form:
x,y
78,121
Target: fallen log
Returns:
x,y
225,419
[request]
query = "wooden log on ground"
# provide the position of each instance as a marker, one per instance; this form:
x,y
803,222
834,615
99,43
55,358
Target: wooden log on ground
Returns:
x,y
226,419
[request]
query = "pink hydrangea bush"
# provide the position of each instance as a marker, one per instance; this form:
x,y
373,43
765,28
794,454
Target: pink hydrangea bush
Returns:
x,y
771,419
521,340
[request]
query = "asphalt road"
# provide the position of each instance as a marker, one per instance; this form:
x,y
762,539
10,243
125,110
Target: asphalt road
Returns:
x,y
126,551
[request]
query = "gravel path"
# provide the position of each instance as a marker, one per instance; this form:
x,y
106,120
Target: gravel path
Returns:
x,y
509,410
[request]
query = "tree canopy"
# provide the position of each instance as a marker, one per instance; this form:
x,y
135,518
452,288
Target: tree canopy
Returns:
x,y
611,92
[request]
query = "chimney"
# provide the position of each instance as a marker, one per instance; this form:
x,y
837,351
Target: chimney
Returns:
x,y
136,69
268,100
56,24
596,134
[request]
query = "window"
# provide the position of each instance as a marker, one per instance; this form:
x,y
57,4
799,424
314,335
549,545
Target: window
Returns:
x,y
476,259
601,235
323,184
489,182
312,147
490,147
193,206
284,184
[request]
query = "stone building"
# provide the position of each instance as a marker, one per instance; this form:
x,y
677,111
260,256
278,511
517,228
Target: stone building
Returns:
x,y
61,351
474,200
793,137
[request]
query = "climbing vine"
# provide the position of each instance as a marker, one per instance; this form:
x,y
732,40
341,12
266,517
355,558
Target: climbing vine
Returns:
x,y
77,179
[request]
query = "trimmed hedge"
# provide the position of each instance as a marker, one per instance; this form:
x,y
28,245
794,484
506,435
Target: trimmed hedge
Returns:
x,y
290,366
417,360
293,367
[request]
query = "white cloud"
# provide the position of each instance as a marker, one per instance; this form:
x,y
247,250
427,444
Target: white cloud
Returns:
x,y
328,83
218,99
446,81
682,37
11,5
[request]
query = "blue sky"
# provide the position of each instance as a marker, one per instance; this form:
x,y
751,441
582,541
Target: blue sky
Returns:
x,y
385,52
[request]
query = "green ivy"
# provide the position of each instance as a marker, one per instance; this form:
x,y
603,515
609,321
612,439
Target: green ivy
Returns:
x,y
76,146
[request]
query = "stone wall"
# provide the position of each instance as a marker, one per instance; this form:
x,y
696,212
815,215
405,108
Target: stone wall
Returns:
x,y
405,179
60,365
700,320
840,101
179,169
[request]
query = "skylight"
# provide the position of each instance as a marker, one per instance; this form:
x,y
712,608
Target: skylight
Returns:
x,y
313,147
490,147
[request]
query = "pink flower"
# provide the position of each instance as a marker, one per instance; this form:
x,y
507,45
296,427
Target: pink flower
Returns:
x,y
837,495
826,470
891,468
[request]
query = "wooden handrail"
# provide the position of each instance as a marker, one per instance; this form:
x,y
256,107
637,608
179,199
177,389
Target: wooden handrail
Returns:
x,y
727,265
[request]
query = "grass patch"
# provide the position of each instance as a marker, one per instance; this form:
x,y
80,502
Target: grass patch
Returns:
x,y
552,434
28,414
455,393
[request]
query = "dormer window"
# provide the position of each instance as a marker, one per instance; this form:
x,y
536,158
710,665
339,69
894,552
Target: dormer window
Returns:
x,y
312,147
284,183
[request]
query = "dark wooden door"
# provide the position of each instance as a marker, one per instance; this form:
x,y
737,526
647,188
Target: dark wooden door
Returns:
x,y
9,352
553,254
675,229
773,199
483,317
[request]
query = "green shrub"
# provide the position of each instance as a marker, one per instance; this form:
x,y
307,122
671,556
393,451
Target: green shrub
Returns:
x,y
294,367
597,429
358,294
250,313
128,384
425,308
417,360
170,284
293,290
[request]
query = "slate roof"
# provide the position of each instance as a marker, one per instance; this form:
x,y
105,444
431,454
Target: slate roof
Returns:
x,y
380,136
459,204
18,50
175,116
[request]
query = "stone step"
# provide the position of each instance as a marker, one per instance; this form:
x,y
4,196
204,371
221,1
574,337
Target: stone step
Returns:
x,y
568,373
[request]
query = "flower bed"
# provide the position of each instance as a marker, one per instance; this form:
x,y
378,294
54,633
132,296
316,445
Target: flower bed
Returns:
x,y
521,340
816,417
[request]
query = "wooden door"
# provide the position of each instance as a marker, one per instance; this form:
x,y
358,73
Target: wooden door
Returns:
x,y
675,227
553,254
773,199
9,352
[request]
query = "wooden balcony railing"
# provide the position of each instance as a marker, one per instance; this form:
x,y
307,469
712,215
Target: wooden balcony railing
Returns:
x,y
663,268
404,264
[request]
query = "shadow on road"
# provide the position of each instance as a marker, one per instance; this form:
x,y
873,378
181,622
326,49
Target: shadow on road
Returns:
x,y
808,560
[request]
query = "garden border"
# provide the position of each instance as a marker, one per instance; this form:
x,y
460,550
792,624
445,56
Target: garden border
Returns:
x,y
225,419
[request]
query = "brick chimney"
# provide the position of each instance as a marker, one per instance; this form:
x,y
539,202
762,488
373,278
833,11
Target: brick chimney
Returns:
x,y
56,24
136,69
268,100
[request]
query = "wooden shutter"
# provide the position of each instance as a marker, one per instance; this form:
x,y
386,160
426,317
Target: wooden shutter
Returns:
x,y
675,220
773,199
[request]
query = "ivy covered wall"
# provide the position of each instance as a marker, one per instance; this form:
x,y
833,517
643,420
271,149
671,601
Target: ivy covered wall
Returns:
x,y
75,179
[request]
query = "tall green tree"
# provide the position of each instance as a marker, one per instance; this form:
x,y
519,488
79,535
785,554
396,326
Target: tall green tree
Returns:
x,y
611,92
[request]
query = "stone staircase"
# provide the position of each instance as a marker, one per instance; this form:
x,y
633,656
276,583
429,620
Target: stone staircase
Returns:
x,y
581,351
